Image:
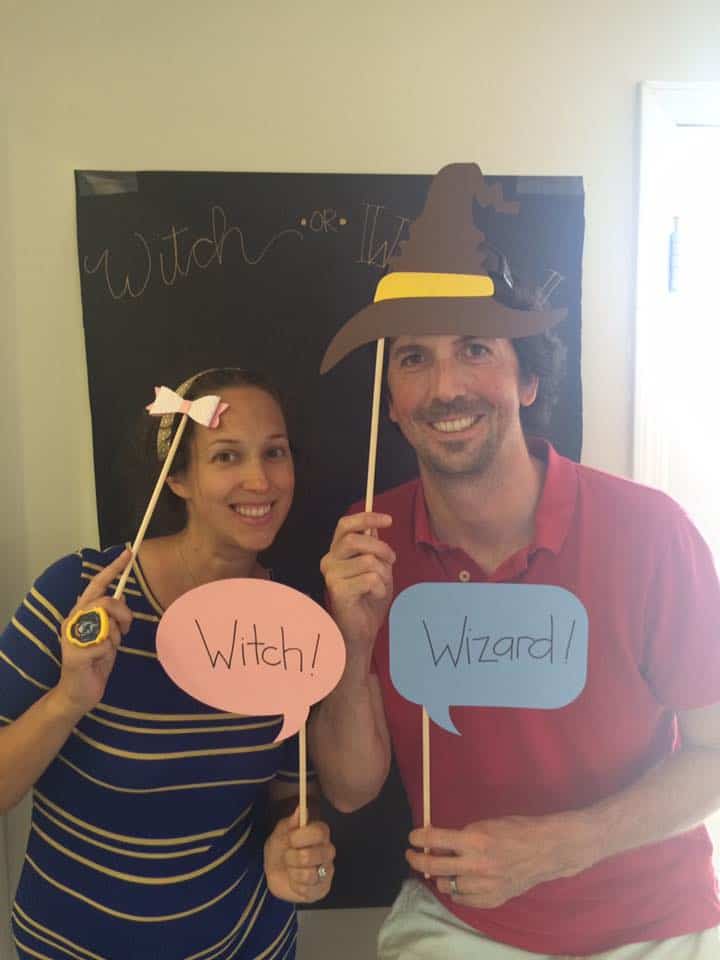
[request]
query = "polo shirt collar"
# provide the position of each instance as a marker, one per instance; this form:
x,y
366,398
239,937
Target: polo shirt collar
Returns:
x,y
554,511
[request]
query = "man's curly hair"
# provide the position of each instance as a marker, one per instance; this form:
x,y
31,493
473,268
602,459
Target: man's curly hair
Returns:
x,y
541,356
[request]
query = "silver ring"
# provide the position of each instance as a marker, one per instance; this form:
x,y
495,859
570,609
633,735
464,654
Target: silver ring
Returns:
x,y
453,887
322,871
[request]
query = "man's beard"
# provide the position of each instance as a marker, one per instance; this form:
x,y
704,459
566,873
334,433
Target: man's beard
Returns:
x,y
451,463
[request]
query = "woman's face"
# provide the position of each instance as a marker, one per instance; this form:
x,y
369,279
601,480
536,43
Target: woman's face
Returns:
x,y
239,482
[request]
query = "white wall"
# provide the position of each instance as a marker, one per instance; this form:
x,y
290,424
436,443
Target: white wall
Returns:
x,y
12,524
521,87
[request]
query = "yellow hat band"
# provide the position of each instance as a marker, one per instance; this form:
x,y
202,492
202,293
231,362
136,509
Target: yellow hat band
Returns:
x,y
402,285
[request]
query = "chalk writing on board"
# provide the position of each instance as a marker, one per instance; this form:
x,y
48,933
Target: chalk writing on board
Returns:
x,y
374,251
487,648
259,652
175,254
326,220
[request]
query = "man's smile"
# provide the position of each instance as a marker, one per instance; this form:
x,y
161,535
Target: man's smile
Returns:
x,y
455,425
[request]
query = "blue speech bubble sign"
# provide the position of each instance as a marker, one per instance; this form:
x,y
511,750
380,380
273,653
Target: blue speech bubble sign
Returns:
x,y
487,645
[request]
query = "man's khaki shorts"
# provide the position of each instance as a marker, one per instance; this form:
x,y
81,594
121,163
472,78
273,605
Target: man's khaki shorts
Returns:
x,y
420,928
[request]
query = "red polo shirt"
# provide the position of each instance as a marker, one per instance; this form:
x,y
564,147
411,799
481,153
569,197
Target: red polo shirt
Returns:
x,y
649,586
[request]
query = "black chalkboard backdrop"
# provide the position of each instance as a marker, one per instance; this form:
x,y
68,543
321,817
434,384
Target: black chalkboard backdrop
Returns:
x,y
184,271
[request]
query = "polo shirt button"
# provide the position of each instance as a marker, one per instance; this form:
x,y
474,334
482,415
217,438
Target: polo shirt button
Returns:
x,y
464,575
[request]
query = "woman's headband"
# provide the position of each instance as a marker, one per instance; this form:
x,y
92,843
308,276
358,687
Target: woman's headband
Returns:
x,y
165,427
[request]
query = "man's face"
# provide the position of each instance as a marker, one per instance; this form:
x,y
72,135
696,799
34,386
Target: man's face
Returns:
x,y
456,399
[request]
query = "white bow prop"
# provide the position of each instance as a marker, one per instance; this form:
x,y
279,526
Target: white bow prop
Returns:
x,y
204,410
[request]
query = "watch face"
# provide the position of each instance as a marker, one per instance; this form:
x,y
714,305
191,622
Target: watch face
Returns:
x,y
87,627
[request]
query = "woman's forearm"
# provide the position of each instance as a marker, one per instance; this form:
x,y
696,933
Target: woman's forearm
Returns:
x,y
31,743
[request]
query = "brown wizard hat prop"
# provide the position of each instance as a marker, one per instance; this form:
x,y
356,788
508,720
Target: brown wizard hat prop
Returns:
x,y
446,279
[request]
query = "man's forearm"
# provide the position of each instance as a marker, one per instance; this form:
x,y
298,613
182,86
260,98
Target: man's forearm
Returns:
x,y
674,796
349,740
501,858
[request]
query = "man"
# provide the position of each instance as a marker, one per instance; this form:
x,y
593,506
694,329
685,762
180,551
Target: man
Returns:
x,y
567,832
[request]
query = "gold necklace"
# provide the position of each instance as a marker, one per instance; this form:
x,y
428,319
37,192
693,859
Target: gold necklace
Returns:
x,y
257,570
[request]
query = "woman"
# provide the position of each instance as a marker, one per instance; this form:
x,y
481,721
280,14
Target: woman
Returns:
x,y
151,811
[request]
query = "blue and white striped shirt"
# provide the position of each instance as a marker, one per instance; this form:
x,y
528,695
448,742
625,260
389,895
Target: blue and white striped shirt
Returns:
x,y
147,828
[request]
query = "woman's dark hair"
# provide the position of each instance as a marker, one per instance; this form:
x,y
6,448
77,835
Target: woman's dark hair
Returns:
x,y
541,356
170,513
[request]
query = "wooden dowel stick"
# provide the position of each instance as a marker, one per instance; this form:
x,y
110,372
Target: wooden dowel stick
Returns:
x,y
426,767
140,536
426,773
303,775
374,421
369,497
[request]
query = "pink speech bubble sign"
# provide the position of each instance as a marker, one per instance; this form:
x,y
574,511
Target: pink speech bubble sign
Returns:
x,y
252,647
